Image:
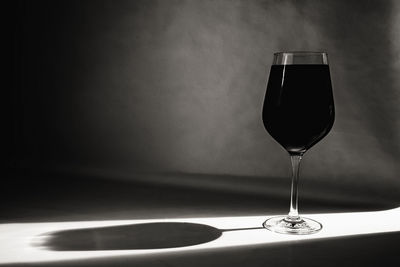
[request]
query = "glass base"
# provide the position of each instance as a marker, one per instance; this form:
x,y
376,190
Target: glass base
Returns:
x,y
284,225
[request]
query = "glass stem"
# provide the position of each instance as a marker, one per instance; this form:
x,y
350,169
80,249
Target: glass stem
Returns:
x,y
293,213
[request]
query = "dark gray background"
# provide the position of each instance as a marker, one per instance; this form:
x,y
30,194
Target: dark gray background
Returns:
x,y
128,87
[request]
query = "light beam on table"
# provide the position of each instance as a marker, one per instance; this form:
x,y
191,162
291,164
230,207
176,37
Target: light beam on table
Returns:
x,y
26,242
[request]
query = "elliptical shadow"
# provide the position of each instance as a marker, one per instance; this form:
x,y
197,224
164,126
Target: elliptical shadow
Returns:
x,y
134,236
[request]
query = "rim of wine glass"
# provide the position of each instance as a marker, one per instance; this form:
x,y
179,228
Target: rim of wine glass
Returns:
x,y
301,57
301,52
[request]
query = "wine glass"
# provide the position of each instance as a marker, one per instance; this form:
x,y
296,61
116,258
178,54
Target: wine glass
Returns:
x,y
298,112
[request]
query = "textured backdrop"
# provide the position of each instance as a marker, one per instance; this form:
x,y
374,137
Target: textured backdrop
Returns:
x,y
178,86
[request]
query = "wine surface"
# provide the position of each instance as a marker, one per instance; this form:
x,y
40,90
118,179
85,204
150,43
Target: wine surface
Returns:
x,y
298,107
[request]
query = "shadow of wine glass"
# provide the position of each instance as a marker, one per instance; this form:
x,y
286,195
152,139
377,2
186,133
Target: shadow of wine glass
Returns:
x,y
135,236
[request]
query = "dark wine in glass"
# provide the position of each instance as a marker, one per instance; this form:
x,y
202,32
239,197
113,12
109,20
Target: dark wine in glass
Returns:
x,y
298,112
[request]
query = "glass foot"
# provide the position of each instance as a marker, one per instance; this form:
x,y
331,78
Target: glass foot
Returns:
x,y
301,226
